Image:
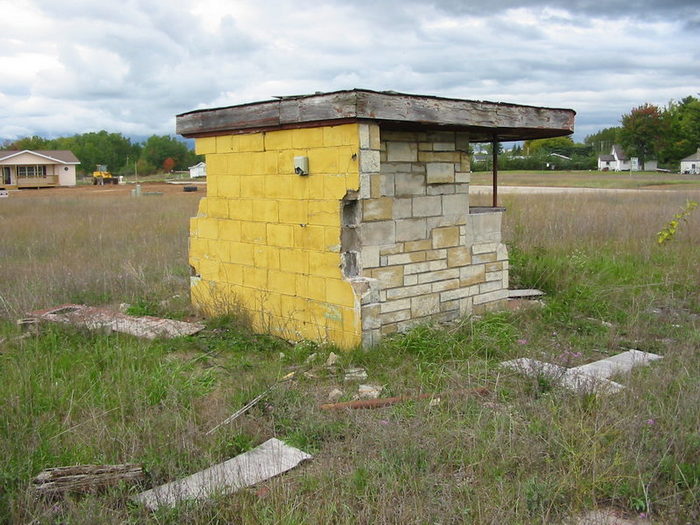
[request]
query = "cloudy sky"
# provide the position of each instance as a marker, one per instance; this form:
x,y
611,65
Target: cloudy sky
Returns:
x,y
129,66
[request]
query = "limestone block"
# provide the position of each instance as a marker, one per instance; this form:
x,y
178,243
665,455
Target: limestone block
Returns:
x,y
462,177
442,286
397,167
443,146
369,256
440,172
425,305
410,184
377,233
370,317
462,141
441,136
382,185
365,186
455,204
441,189
364,137
401,151
494,276
445,237
459,293
369,161
403,208
484,248
433,255
490,297
437,265
459,256
377,209
394,317
469,275
483,258
411,229
414,246
490,286
410,280
502,253
408,291
427,206
405,258
391,249
439,275
484,228
416,268
394,306
388,277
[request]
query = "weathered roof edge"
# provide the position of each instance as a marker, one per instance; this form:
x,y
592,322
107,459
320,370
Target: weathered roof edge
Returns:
x,y
509,121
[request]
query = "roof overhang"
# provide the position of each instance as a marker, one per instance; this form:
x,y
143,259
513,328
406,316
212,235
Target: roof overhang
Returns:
x,y
483,121
36,153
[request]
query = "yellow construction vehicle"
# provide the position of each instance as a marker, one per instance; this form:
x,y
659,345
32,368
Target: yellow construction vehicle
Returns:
x,y
101,176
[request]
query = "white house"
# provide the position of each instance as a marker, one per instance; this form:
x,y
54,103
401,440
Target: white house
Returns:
x,y
617,161
691,164
198,170
37,169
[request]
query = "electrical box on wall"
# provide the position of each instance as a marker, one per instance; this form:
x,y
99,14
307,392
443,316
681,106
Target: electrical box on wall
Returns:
x,y
301,165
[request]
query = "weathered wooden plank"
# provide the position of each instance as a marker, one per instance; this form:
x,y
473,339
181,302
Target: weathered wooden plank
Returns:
x,y
264,462
85,478
258,115
482,119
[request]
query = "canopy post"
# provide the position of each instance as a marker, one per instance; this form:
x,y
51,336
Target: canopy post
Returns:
x,y
494,153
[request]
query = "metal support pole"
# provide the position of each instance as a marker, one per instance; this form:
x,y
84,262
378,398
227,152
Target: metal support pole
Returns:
x,y
494,153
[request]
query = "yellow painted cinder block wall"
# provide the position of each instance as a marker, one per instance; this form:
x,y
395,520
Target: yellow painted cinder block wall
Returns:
x,y
266,242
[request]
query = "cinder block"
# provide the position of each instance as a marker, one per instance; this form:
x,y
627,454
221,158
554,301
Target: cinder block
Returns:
x,y
280,235
343,135
254,232
427,206
255,277
266,257
248,142
208,228
325,264
339,292
334,186
445,237
241,253
411,229
231,273
264,210
294,261
293,211
401,152
377,209
323,161
325,213
205,146
440,172
278,140
307,138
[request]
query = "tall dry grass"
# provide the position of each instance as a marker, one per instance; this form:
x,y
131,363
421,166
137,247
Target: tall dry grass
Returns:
x,y
94,250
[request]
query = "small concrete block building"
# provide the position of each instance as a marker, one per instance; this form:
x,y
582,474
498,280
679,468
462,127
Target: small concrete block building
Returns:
x,y
345,216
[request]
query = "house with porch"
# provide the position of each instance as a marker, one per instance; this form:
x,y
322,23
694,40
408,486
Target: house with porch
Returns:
x,y
618,160
691,164
37,168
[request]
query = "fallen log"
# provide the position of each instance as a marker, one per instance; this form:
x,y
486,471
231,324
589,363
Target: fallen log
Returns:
x,y
388,401
85,478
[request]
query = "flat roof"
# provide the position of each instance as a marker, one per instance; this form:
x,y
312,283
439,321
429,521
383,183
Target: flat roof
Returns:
x,y
483,121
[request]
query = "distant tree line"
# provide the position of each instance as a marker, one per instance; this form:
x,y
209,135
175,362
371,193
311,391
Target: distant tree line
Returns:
x,y
159,153
666,134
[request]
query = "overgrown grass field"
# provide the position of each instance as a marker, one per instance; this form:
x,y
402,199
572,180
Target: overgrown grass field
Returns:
x,y
592,179
528,452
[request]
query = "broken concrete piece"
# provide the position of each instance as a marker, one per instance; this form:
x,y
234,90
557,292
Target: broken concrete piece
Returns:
x,y
85,478
311,358
591,377
94,318
388,401
369,391
264,462
332,359
355,374
334,395
524,294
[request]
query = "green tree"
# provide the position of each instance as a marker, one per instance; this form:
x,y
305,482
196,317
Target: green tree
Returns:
x,y
603,140
682,120
561,145
158,148
643,131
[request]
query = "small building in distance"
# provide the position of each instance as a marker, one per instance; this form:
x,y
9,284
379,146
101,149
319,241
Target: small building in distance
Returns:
x,y
346,216
37,168
617,161
691,164
198,170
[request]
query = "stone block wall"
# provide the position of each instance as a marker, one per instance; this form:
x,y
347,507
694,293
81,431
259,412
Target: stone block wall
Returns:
x,y
422,255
